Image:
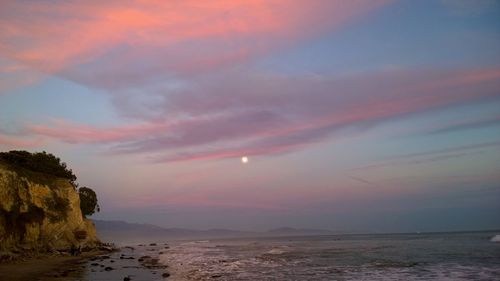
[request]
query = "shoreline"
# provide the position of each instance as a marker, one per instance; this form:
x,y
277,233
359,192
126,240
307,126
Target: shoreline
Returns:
x,y
47,267
138,262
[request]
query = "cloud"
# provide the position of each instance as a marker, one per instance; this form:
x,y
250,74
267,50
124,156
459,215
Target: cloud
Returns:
x,y
9,142
361,180
119,44
14,75
77,133
466,125
180,70
433,156
248,113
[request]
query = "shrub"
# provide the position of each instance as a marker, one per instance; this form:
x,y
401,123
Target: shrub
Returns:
x,y
88,201
41,162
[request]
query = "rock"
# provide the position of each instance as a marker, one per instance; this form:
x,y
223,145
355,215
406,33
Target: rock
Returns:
x,y
152,244
108,268
126,278
6,256
107,248
165,275
94,264
42,227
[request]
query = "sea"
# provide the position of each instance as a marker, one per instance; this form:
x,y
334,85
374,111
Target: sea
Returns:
x,y
416,256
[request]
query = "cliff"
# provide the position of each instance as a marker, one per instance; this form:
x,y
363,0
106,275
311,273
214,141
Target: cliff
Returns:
x,y
40,212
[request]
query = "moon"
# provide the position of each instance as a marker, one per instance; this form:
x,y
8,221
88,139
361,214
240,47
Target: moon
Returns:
x,y
244,159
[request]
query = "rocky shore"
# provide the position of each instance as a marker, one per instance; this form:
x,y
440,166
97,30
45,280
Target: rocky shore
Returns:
x,y
129,263
47,266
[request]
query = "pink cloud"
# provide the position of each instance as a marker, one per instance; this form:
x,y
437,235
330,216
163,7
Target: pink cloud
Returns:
x,y
76,133
139,50
9,142
101,42
276,114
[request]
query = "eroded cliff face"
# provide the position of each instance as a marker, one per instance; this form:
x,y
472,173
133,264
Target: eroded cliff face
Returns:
x,y
41,215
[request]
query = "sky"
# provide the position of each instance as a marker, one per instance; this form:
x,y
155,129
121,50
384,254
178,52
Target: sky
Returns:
x,y
355,116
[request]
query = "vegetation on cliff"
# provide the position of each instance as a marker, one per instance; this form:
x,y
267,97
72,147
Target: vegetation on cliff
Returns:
x,y
41,208
41,162
88,201
43,168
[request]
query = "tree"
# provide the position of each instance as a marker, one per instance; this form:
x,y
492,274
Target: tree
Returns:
x,y
41,162
88,201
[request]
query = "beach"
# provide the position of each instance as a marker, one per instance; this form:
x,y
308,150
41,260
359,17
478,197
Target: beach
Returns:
x,y
134,263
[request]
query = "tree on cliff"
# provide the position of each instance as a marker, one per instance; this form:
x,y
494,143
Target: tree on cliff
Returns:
x,y
42,165
41,162
88,201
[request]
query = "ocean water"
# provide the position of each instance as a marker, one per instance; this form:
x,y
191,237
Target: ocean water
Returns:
x,y
440,256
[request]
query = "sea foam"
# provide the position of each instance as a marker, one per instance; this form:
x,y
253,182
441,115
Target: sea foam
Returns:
x,y
495,238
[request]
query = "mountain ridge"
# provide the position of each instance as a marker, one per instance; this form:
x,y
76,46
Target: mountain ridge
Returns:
x,y
120,231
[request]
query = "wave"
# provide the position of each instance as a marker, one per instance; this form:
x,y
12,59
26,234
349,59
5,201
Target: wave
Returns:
x,y
277,250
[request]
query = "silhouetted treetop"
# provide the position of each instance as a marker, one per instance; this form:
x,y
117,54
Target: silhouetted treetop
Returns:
x,y
41,162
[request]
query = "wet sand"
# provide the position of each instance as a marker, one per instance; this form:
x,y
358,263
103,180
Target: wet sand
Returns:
x,y
45,267
129,263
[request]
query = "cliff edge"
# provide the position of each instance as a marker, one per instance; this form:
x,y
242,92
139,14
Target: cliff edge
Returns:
x,y
40,212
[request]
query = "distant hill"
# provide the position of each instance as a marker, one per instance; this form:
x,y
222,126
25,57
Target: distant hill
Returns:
x,y
290,231
121,232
